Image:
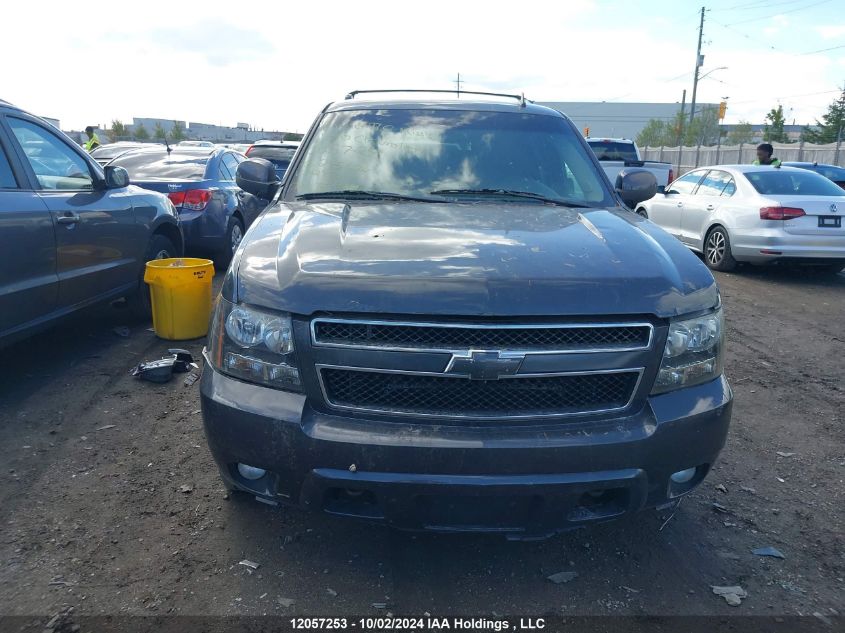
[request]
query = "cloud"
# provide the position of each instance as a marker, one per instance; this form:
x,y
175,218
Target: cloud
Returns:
x,y
831,31
219,42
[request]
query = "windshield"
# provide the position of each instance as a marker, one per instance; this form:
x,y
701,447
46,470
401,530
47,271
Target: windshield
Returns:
x,y
837,174
774,182
611,150
413,152
161,166
110,151
279,156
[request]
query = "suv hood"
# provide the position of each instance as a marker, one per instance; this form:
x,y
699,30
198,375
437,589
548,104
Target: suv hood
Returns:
x,y
466,259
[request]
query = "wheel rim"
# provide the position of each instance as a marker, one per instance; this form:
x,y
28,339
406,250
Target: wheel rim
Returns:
x,y
716,248
162,254
237,236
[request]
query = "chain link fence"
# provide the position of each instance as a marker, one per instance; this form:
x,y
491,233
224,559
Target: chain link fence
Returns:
x,y
685,158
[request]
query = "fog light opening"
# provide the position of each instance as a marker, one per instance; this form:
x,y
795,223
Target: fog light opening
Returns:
x,y
683,476
683,481
251,472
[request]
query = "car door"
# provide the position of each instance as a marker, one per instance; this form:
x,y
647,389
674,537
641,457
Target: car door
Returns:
x,y
665,210
705,201
97,250
28,280
249,205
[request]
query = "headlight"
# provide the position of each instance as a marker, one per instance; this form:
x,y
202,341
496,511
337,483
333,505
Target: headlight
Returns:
x,y
693,353
253,345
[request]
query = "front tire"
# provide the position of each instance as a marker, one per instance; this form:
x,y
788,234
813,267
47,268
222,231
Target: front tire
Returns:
x,y
138,303
717,250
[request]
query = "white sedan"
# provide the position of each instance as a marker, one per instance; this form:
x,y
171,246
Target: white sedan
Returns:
x,y
756,214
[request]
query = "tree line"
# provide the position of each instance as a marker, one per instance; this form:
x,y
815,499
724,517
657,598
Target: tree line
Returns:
x,y
121,132
705,128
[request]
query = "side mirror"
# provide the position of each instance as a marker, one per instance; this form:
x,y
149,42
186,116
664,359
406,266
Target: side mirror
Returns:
x,y
635,185
258,177
116,177
661,189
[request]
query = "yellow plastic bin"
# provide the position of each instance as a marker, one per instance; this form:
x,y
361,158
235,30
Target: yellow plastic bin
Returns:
x,y
180,290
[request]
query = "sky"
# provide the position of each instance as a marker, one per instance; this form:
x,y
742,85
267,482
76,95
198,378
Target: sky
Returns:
x,y
275,65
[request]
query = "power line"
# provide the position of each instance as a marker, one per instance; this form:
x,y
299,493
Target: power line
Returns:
x,y
822,50
774,15
759,5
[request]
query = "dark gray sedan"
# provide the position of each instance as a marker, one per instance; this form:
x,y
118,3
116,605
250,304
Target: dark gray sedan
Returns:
x,y
71,232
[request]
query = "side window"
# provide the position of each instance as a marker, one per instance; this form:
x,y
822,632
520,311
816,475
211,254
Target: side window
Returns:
x,y
685,184
56,165
231,164
7,177
223,171
730,189
714,183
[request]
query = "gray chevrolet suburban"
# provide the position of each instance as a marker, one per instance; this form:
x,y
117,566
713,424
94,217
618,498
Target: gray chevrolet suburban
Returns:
x,y
447,320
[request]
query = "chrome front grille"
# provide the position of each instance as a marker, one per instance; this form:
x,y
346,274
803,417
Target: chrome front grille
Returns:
x,y
485,370
545,338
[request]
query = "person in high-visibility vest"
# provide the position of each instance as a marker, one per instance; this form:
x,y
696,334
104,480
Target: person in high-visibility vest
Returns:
x,y
93,141
764,155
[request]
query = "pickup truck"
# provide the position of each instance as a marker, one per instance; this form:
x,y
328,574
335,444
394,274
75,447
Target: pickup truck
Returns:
x,y
447,320
615,154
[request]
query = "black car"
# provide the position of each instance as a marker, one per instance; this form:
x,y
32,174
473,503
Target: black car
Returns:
x,y
448,320
280,153
831,172
72,233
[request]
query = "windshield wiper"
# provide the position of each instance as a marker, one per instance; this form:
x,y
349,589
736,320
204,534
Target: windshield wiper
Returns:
x,y
357,194
509,192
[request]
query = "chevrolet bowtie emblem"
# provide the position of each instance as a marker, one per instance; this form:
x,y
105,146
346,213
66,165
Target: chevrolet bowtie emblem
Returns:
x,y
481,365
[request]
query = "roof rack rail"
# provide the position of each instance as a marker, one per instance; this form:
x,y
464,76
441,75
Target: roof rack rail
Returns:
x,y
519,97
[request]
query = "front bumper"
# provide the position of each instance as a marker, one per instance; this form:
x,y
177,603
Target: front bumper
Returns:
x,y
524,481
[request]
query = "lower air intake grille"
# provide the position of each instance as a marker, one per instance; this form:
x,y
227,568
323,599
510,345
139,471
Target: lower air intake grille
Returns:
x,y
461,397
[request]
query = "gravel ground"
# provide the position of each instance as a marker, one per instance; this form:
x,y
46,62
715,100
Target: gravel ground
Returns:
x,y
111,503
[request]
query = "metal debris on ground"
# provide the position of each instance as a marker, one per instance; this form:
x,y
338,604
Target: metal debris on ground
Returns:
x,y
782,454
768,551
562,577
718,507
379,605
748,490
161,371
249,563
107,427
186,488
721,488
287,603
671,516
331,592
733,595
190,379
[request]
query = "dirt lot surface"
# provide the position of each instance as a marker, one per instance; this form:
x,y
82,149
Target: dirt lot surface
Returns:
x,y
111,503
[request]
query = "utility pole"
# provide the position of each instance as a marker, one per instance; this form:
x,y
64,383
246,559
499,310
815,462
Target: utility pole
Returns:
x,y
698,63
458,84
681,119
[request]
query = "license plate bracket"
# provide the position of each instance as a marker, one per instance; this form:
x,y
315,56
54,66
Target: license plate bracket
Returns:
x,y
830,222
